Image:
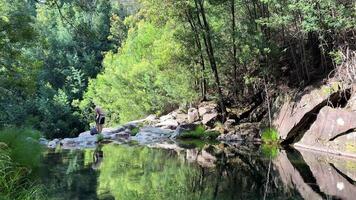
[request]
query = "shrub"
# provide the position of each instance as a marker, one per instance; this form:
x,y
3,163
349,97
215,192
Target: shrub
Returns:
x,y
19,155
23,145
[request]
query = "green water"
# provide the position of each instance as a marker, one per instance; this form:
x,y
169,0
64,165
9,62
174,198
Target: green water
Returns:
x,y
137,172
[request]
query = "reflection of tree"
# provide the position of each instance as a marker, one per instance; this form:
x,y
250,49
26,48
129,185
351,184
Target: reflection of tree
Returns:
x,y
66,175
143,173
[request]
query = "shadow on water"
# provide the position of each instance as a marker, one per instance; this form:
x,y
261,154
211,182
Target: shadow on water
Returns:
x,y
198,171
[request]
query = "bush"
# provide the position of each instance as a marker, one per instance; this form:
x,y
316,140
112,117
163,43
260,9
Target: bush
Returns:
x,y
19,156
270,135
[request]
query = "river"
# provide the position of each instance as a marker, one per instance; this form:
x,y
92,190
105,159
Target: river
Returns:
x,y
190,171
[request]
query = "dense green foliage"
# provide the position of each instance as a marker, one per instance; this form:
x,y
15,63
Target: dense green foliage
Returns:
x,y
60,57
49,50
20,155
143,77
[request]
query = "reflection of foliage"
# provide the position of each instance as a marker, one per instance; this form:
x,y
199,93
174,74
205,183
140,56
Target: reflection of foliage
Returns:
x,y
195,143
270,135
67,175
143,173
270,151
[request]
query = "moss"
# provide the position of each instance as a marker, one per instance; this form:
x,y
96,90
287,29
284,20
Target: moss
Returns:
x,y
270,136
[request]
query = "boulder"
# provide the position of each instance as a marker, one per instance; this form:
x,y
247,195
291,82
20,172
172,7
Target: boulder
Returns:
x,y
297,113
193,115
333,130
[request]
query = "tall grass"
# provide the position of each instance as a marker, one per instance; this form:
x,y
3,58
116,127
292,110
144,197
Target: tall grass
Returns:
x,y
19,155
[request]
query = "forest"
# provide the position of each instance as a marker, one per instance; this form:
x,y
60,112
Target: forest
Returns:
x,y
59,59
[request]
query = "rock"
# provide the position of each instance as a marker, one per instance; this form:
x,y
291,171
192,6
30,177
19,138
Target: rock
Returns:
x,y
68,143
230,137
85,134
169,123
209,119
130,126
152,135
53,144
193,115
207,107
183,128
166,117
295,114
332,131
229,124
43,141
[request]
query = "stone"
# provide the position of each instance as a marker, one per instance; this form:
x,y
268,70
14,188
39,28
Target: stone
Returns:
x,y
295,114
193,115
207,107
171,123
152,135
229,124
166,117
332,131
209,119
53,144
230,137
43,141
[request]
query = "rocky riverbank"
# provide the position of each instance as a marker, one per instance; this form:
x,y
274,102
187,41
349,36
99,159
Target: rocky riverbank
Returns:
x,y
321,118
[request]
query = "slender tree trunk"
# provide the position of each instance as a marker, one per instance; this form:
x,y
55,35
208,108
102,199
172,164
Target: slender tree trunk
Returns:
x,y
201,56
234,49
210,52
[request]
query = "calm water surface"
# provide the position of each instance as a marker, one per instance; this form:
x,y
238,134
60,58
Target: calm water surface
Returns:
x,y
246,172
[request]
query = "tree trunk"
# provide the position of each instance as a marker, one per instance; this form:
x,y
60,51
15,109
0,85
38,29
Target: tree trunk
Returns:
x,y
199,47
234,49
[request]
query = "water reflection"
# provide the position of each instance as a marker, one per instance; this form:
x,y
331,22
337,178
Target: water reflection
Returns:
x,y
204,172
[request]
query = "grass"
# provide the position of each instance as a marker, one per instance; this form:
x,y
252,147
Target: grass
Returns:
x,y
270,136
199,133
19,155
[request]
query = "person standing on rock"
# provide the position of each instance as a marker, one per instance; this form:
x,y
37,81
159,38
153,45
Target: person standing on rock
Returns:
x,y
99,119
